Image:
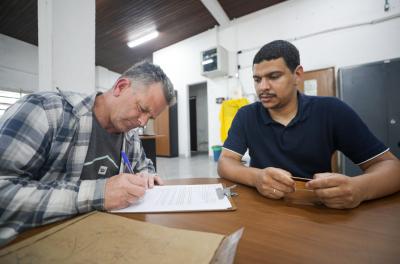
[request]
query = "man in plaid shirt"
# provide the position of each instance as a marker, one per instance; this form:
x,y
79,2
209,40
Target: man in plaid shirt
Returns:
x,y
60,151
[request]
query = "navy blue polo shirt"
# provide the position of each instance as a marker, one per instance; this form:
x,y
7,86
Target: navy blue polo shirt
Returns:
x,y
305,146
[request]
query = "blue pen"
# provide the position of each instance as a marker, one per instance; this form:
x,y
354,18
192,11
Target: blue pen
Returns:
x,y
126,161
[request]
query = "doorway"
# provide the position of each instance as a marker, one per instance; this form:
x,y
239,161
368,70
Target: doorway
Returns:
x,y
193,123
198,118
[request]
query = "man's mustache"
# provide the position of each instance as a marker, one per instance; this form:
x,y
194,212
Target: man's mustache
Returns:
x,y
266,94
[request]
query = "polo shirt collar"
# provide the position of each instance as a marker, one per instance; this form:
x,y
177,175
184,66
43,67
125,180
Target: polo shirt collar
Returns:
x,y
302,113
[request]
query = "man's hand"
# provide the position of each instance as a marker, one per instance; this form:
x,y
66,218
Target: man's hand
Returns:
x,y
274,183
124,189
336,190
151,179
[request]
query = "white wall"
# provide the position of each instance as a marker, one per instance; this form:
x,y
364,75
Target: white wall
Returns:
x,y
181,62
105,78
290,20
18,65
293,20
66,34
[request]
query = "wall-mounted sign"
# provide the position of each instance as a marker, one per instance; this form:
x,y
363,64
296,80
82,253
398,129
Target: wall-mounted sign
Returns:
x,y
311,87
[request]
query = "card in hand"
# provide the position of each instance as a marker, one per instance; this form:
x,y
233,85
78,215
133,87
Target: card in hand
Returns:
x,y
301,179
301,195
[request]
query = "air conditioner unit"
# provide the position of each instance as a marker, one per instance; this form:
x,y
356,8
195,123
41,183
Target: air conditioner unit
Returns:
x,y
214,62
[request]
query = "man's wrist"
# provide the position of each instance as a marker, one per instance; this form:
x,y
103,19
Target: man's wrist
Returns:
x,y
255,173
360,185
91,195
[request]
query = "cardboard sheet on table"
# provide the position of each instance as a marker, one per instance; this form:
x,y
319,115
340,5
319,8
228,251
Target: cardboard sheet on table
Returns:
x,y
106,238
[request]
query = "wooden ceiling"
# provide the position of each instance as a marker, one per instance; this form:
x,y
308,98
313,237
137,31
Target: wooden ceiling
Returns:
x,y
238,8
118,21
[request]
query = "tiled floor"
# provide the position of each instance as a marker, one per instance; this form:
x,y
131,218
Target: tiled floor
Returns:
x,y
197,166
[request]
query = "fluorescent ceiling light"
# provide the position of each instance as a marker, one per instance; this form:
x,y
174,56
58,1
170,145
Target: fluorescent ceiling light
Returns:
x,y
208,61
143,39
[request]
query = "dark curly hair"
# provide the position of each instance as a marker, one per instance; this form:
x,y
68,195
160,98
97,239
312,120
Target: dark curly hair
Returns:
x,y
279,49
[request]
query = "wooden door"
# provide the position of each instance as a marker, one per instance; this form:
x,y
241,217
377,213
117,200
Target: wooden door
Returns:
x,y
321,83
161,128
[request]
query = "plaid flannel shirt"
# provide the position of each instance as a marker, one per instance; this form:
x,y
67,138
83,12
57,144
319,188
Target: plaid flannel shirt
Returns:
x,y
44,140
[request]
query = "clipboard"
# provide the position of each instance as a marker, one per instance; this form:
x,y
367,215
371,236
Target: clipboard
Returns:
x,y
228,192
184,198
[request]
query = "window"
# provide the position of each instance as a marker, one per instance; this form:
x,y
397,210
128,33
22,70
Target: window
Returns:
x,y
8,98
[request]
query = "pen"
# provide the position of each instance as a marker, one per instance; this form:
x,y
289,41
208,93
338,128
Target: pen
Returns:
x,y
126,162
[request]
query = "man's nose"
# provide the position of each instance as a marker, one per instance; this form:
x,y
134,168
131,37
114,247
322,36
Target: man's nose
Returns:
x,y
143,119
264,84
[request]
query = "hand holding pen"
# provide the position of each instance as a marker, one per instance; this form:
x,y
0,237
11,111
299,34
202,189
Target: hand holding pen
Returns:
x,y
149,178
123,189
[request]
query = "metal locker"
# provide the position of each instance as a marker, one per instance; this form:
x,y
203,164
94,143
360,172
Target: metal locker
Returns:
x,y
373,91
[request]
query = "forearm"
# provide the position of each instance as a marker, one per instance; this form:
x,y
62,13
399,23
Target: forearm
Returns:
x,y
233,170
26,204
379,180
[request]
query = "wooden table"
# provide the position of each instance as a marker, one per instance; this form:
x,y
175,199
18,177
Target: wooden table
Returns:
x,y
278,233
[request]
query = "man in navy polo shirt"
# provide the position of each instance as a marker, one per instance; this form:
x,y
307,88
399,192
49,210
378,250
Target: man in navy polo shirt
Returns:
x,y
291,134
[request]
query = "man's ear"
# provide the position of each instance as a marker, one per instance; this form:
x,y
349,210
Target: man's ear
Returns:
x,y
120,85
298,75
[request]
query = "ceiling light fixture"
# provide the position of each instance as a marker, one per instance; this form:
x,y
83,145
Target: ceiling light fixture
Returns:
x,y
143,39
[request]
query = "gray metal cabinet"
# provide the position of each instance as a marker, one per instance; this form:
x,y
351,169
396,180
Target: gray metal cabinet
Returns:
x,y
373,91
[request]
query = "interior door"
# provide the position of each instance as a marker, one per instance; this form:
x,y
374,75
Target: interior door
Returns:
x,y
161,128
321,83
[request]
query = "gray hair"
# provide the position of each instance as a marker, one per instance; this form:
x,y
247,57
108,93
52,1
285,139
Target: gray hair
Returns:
x,y
147,73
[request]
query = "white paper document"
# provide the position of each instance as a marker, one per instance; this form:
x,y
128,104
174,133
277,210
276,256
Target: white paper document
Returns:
x,y
177,198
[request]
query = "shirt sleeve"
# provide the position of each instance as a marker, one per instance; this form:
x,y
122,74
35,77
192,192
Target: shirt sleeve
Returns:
x,y
352,136
140,162
26,199
236,140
